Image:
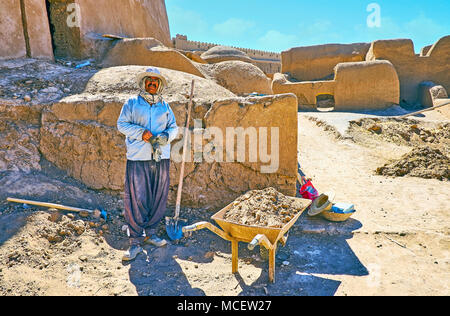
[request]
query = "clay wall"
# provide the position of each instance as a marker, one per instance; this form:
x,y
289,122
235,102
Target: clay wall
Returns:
x,y
269,62
366,85
356,86
24,30
93,151
318,62
76,26
413,69
129,18
306,91
79,135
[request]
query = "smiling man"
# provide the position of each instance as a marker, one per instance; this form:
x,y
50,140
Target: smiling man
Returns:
x,y
149,125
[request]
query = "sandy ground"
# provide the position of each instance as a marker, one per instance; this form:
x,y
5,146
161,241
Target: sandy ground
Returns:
x,y
396,244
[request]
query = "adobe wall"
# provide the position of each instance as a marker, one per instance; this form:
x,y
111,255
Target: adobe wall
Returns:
x,y
366,85
269,62
79,135
38,29
24,30
413,69
66,39
318,62
148,51
11,30
128,18
305,91
356,86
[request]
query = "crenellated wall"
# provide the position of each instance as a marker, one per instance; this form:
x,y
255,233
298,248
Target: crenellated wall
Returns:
x,y
269,62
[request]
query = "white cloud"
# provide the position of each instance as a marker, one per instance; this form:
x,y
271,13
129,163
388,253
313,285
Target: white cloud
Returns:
x,y
319,32
277,41
192,23
233,27
423,27
418,29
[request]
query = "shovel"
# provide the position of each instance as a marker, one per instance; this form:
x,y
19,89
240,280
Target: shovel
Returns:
x,y
174,226
102,213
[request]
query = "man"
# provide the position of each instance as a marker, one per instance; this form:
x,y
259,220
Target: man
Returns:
x,y
149,125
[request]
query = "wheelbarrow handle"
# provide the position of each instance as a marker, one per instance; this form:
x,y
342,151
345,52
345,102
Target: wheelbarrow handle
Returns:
x,y
254,242
261,240
211,227
194,227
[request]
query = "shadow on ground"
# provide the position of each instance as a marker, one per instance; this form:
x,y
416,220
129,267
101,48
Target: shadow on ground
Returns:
x,y
158,272
309,255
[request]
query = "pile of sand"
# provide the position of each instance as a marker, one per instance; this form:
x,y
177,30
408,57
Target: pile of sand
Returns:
x,y
265,208
424,162
404,132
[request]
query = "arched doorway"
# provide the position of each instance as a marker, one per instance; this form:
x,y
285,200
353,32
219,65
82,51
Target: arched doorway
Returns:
x,y
325,102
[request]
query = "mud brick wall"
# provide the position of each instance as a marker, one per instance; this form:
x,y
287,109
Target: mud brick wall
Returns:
x,y
83,140
24,30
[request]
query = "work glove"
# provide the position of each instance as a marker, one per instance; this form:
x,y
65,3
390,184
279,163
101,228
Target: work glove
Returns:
x,y
157,152
158,141
162,139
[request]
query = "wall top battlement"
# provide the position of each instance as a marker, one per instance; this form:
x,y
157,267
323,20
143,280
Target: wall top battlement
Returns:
x,y
181,42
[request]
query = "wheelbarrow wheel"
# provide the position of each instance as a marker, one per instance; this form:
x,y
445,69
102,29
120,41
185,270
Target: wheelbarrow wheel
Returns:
x,y
264,253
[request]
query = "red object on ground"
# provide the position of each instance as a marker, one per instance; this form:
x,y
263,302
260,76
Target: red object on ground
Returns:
x,y
307,191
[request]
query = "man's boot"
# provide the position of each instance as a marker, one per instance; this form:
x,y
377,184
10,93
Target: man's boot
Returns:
x,y
155,241
132,253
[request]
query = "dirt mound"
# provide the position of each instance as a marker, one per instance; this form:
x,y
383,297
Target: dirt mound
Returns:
x,y
266,208
423,162
54,231
404,132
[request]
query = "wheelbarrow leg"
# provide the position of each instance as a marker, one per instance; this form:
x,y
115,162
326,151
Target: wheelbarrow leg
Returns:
x,y
224,235
235,255
272,259
263,241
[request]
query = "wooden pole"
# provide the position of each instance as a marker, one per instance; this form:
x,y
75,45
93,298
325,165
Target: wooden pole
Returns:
x,y
183,162
422,111
49,205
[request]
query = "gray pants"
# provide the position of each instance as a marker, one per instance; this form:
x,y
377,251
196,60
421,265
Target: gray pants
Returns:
x,y
146,193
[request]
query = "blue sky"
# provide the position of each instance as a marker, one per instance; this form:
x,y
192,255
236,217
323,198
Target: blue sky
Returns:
x,y
280,25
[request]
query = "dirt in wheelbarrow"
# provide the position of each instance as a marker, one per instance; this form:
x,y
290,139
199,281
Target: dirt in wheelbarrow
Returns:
x,y
264,208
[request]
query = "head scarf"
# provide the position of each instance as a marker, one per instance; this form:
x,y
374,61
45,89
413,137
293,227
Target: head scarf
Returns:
x,y
151,72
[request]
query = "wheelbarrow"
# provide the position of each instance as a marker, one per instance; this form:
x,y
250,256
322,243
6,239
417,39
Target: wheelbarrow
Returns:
x,y
267,237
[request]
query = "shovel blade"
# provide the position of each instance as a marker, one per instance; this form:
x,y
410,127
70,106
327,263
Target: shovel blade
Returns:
x,y
174,227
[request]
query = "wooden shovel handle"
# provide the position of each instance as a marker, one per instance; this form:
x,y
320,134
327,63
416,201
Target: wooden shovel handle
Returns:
x,y
186,134
49,205
424,110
